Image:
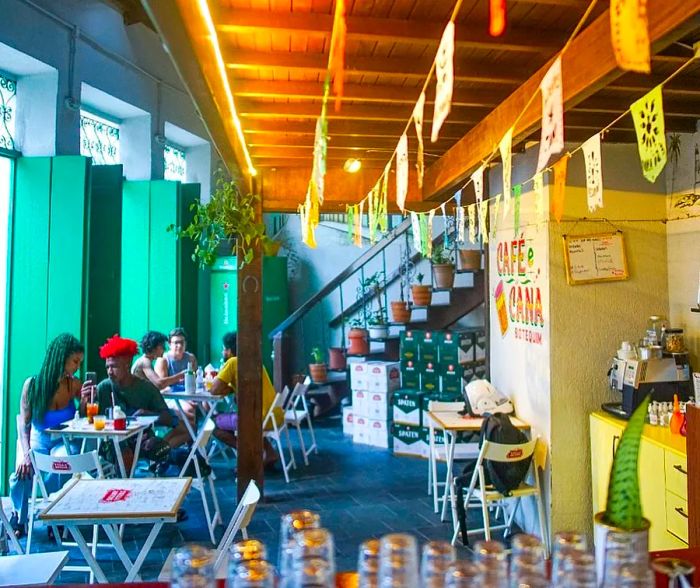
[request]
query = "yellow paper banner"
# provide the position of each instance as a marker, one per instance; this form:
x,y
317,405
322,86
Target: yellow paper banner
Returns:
x,y
418,121
629,33
559,189
506,163
648,116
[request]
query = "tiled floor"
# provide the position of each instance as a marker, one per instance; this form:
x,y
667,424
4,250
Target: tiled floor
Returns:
x,y
359,491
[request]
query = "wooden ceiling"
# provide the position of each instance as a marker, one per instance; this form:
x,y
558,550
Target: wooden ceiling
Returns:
x,y
276,52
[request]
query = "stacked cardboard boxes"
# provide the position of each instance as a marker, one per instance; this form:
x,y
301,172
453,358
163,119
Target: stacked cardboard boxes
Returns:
x,y
372,384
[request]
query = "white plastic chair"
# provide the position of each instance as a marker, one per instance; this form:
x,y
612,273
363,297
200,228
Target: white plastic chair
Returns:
x,y
275,432
5,527
487,494
199,482
70,465
296,413
239,522
438,453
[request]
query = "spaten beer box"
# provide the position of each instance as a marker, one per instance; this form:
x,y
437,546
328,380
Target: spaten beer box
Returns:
x,y
410,374
462,437
448,347
360,403
406,407
408,440
428,348
383,376
408,345
378,433
427,398
359,372
360,430
451,379
347,420
430,378
378,405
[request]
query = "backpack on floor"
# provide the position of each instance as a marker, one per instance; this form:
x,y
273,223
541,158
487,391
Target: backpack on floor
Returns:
x,y
503,476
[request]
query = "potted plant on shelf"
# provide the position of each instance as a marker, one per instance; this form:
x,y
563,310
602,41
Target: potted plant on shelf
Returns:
x,y
422,294
336,359
358,337
378,327
443,268
470,259
317,369
401,309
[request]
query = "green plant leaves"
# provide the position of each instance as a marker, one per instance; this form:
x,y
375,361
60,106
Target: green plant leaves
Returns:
x,y
624,507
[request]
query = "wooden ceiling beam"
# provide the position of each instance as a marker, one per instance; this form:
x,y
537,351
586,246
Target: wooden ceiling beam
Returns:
x,y
588,65
362,28
336,153
335,142
384,94
340,128
466,70
673,107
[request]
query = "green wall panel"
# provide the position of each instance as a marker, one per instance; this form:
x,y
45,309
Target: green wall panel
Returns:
x,y
188,278
28,288
66,245
103,277
135,259
163,266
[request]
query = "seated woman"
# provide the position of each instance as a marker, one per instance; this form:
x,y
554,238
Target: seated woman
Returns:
x,y
153,347
48,399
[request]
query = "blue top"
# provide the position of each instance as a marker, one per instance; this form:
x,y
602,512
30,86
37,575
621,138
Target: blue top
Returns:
x,y
175,366
53,418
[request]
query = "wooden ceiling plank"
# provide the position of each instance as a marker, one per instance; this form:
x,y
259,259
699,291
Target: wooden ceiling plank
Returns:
x,y
465,70
364,28
587,66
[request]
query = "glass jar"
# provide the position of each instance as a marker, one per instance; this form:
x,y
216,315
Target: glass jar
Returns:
x,y
193,567
674,341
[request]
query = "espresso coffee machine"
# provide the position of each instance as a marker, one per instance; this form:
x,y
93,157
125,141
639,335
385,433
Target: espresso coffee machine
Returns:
x,y
635,378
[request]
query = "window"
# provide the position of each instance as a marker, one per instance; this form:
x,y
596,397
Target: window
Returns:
x,y
99,139
8,95
175,163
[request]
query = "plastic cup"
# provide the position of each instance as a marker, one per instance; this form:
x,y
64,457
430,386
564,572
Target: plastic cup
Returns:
x,y
99,422
91,410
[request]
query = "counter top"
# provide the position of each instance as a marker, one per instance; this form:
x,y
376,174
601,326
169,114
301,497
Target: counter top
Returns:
x,y
661,436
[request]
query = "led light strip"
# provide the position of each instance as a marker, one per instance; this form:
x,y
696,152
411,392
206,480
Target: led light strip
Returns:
x,y
206,14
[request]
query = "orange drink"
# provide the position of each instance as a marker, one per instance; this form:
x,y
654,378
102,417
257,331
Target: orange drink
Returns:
x,y
99,422
91,410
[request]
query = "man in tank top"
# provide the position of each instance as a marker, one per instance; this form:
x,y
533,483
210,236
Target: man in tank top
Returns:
x,y
177,359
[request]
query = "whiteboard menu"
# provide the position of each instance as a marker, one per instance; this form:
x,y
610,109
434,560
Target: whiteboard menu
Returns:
x,y
595,258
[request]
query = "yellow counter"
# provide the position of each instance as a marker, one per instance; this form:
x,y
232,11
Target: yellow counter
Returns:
x,y
661,436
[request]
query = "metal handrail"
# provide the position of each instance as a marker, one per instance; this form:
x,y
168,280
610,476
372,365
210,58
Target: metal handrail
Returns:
x,y
357,264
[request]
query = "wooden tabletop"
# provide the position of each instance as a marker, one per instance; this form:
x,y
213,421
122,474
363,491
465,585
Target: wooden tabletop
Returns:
x,y
453,421
82,428
120,498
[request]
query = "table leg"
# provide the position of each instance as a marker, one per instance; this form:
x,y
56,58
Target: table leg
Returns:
x,y
137,450
133,574
120,457
119,548
87,553
450,452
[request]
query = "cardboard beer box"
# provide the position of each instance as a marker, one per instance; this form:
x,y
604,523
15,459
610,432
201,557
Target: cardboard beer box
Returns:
x,y
360,430
347,420
430,378
408,440
360,403
383,376
439,436
451,379
448,347
428,348
378,405
410,374
379,433
359,371
406,407
408,345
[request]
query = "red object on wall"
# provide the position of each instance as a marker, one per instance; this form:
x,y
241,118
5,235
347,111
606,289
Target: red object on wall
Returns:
x,y
497,17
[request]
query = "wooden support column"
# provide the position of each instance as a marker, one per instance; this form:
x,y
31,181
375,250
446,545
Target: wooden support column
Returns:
x,y
250,446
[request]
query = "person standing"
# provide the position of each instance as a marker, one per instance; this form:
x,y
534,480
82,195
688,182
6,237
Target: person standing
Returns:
x,y
48,399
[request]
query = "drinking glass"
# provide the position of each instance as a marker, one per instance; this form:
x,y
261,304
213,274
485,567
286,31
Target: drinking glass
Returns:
x,y
565,543
253,573
437,556
314,543
290,525
91,410
398,561
464,574
313,572
246,550
193,567
493,558
99,421
368,564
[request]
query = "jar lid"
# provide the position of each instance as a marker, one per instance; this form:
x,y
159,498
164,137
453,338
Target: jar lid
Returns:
x,y
674,331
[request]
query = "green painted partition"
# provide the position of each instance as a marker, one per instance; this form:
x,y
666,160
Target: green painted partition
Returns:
x,y
103,277
188,278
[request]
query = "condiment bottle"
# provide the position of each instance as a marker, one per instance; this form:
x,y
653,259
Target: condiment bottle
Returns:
x,y
677,418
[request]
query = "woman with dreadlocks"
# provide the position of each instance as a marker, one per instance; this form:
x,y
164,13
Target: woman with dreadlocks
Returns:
x,y
48,399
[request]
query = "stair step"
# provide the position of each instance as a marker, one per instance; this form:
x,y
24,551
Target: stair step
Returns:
x,y
383,339
467,271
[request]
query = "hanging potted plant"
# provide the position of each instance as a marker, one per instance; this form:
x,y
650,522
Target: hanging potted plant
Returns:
x,y
422,294
317,369
226,224
443,268
378,327
470,259
358,337
401,309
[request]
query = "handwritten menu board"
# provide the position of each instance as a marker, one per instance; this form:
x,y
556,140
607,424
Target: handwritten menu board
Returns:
x,y
595,258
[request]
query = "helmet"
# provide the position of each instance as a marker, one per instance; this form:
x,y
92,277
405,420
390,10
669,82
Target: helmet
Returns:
x,y
482,398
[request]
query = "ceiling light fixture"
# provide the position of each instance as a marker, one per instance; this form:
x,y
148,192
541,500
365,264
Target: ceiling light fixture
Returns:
x,y
352,165
211,31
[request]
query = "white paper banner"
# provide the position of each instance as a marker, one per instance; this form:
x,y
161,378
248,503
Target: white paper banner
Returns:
x,y
472,223
594,172
483,213
444,71
538,188
506,163
552,138
418,121
402,171
495,209
459,219
415,225
478,181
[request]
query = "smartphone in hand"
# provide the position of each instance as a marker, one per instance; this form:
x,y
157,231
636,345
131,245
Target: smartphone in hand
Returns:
x,y
92,377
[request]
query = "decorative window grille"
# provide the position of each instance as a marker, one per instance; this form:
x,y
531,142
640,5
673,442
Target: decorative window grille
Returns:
x,y
175,163
8,100
99,139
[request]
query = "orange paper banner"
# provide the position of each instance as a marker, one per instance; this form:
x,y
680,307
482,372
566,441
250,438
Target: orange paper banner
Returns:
x,y
559,189
629,32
